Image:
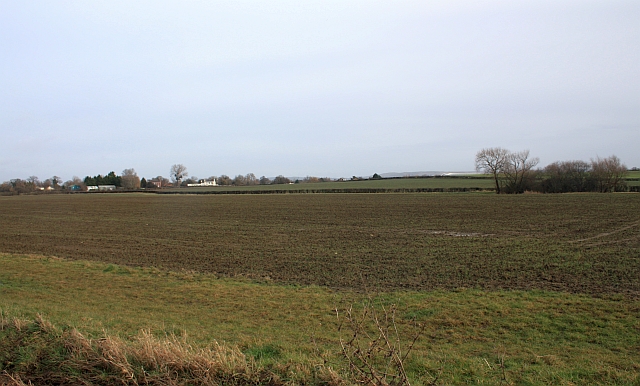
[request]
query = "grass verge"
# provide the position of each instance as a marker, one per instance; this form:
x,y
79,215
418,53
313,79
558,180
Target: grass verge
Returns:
x,y
470,336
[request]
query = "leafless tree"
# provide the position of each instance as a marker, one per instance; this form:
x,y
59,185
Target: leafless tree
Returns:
x,y
281,180
34,181
566,176
608,174
6,187
178,172
224,180
18,186
130,179
250,179
239,180
516,171
265,181
492,161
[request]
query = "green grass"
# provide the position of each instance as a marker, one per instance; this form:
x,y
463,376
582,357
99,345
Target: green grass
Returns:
x,y
461,181
527,289
471,336
633,178
633,174
387,183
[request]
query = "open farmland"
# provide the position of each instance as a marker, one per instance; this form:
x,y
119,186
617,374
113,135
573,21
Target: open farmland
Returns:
x,y
551,293
581,243
476,182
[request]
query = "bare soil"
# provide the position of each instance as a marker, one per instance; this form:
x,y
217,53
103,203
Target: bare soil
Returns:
x,y
583,243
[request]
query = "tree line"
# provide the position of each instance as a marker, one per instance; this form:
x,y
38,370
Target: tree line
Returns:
x,y
129,180
180,177
31,184
513,172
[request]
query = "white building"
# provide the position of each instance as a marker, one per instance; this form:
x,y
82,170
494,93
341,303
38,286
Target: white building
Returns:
x,y
204,183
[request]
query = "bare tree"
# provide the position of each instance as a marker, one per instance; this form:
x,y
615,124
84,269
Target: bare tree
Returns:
x,y
265,181
224,180
239,180
6,187
178,172
130,179
19,186
492,161
566,176
250,179
516,170
281,180
34,181
608,174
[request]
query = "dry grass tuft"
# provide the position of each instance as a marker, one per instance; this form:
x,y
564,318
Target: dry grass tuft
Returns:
x,y
20,324
7,379
44,325
69,358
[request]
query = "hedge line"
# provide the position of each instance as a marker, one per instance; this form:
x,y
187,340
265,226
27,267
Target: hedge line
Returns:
x,y
346,190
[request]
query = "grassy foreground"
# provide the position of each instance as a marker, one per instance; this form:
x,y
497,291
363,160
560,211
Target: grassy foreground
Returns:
x,y
470,336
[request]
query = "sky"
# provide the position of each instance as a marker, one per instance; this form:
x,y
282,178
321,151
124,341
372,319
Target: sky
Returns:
x,y
313,88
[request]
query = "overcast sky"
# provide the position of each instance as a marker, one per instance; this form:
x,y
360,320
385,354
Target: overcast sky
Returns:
x,y
320,88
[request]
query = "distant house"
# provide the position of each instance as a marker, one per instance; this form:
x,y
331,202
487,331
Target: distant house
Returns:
x,y
101,188
204,183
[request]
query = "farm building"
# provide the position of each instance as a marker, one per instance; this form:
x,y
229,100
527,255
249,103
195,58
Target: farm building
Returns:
x,y
204,183
104,188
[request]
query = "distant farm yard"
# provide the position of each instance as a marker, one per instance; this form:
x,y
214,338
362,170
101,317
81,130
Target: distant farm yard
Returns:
x,y
581,243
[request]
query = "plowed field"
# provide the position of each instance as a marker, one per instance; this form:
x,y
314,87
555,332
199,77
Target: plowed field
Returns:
x,y
588,243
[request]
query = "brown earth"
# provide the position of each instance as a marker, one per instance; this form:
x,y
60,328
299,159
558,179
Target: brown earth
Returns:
x,y
588,243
